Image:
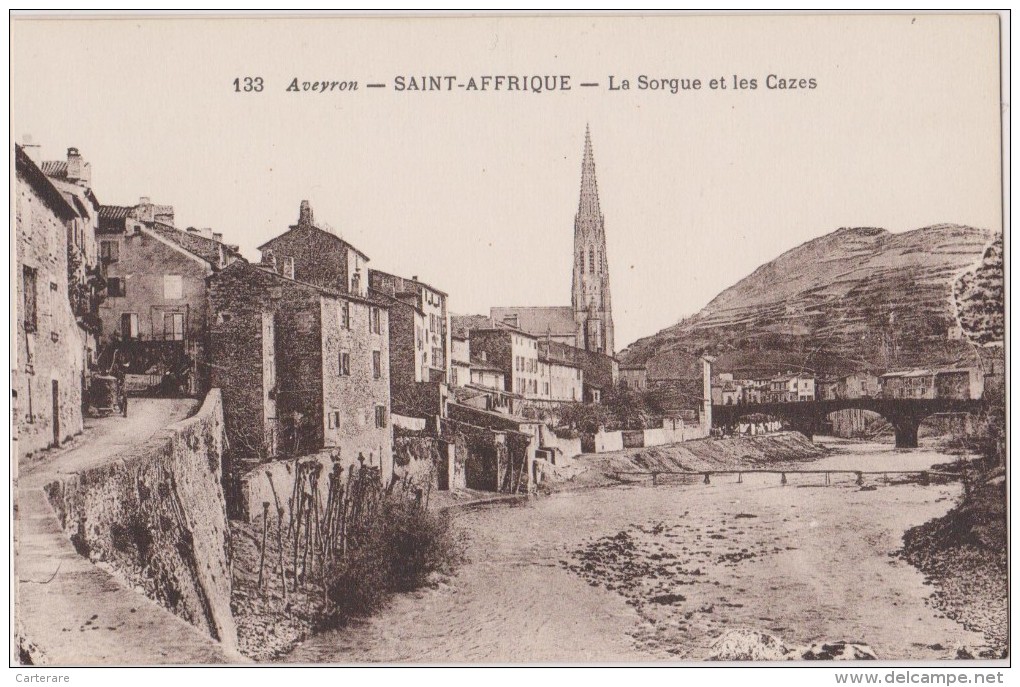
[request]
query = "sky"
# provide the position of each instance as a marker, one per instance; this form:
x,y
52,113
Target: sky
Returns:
x,y
475,192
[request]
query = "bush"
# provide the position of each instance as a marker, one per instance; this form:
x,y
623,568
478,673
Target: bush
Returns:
x,y
396,552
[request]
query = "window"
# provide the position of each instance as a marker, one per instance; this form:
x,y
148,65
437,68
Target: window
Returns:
x,y
173,326
173,287
116,286
288,267
333,418
380,416
31,296
129,325
345,364
582,262
345,314
591,260
374,321
109,251
377,364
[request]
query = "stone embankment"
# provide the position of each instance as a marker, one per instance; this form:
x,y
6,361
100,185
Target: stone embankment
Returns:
x,y
149,520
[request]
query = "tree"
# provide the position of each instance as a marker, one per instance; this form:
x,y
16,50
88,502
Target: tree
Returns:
x,y
584,418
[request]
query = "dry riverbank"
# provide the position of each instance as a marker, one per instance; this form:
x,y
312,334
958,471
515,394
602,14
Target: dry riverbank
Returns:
x,y
964,556
779,450
642,573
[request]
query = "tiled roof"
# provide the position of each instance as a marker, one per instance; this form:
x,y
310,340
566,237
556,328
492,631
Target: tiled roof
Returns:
x,y
35,176
54,168
205,248
114,212
329,234
539,321
461,325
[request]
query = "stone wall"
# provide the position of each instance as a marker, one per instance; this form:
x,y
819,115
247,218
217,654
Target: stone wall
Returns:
x,y
156,517
46,384
563,448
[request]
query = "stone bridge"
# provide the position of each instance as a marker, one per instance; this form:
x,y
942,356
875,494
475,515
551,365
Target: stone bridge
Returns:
x,y
806,417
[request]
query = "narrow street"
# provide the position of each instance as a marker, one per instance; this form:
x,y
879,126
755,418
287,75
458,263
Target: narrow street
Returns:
x,y
70,611
103,439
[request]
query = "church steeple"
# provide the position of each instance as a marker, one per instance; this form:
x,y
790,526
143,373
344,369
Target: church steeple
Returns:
x,y
588,205
590,297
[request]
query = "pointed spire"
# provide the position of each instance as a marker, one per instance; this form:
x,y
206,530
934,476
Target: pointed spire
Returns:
x,y
588,208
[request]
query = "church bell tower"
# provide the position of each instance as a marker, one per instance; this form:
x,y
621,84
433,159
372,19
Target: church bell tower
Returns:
x,y
590,299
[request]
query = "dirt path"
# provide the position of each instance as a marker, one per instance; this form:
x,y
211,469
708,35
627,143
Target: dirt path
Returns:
x,y
805,562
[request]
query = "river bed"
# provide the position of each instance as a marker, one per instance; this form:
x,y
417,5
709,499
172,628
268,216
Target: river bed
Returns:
x,y
658,573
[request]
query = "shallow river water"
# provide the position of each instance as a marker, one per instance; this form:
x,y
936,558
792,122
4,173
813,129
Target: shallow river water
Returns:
x,y
674,567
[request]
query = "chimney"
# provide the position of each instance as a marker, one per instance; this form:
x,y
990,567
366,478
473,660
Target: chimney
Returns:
x,y
31,148
305,215
484,356
269,259
207,232
78,171
218,236
145,200
192,230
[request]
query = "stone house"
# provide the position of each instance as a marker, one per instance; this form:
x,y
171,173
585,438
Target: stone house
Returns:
x,y
486,374
598,372
754,390
460,361
908,384
858,385
154,316
435,352
314,255
514,353
51,343
827,388
726,391
302,368
73,178
419,343
634,377
960,383
562,380
791,388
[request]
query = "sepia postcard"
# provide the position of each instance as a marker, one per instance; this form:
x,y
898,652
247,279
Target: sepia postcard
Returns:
x,y
527,340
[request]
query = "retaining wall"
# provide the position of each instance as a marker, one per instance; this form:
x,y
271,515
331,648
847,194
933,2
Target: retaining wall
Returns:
x,y
156,517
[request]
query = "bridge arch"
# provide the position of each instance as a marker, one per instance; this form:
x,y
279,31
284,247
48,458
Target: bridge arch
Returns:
x,y
808,417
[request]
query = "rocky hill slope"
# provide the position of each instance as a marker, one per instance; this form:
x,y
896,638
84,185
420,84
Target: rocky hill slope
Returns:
x,y
857,298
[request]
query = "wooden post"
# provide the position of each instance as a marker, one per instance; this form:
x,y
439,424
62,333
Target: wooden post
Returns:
x,y
265,533
740,478
782,481
860,479
707,481
279,550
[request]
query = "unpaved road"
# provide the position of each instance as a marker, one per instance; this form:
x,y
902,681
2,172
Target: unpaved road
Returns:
x,y
805,562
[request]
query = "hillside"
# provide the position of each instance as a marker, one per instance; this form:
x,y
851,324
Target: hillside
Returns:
x,y
857,298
